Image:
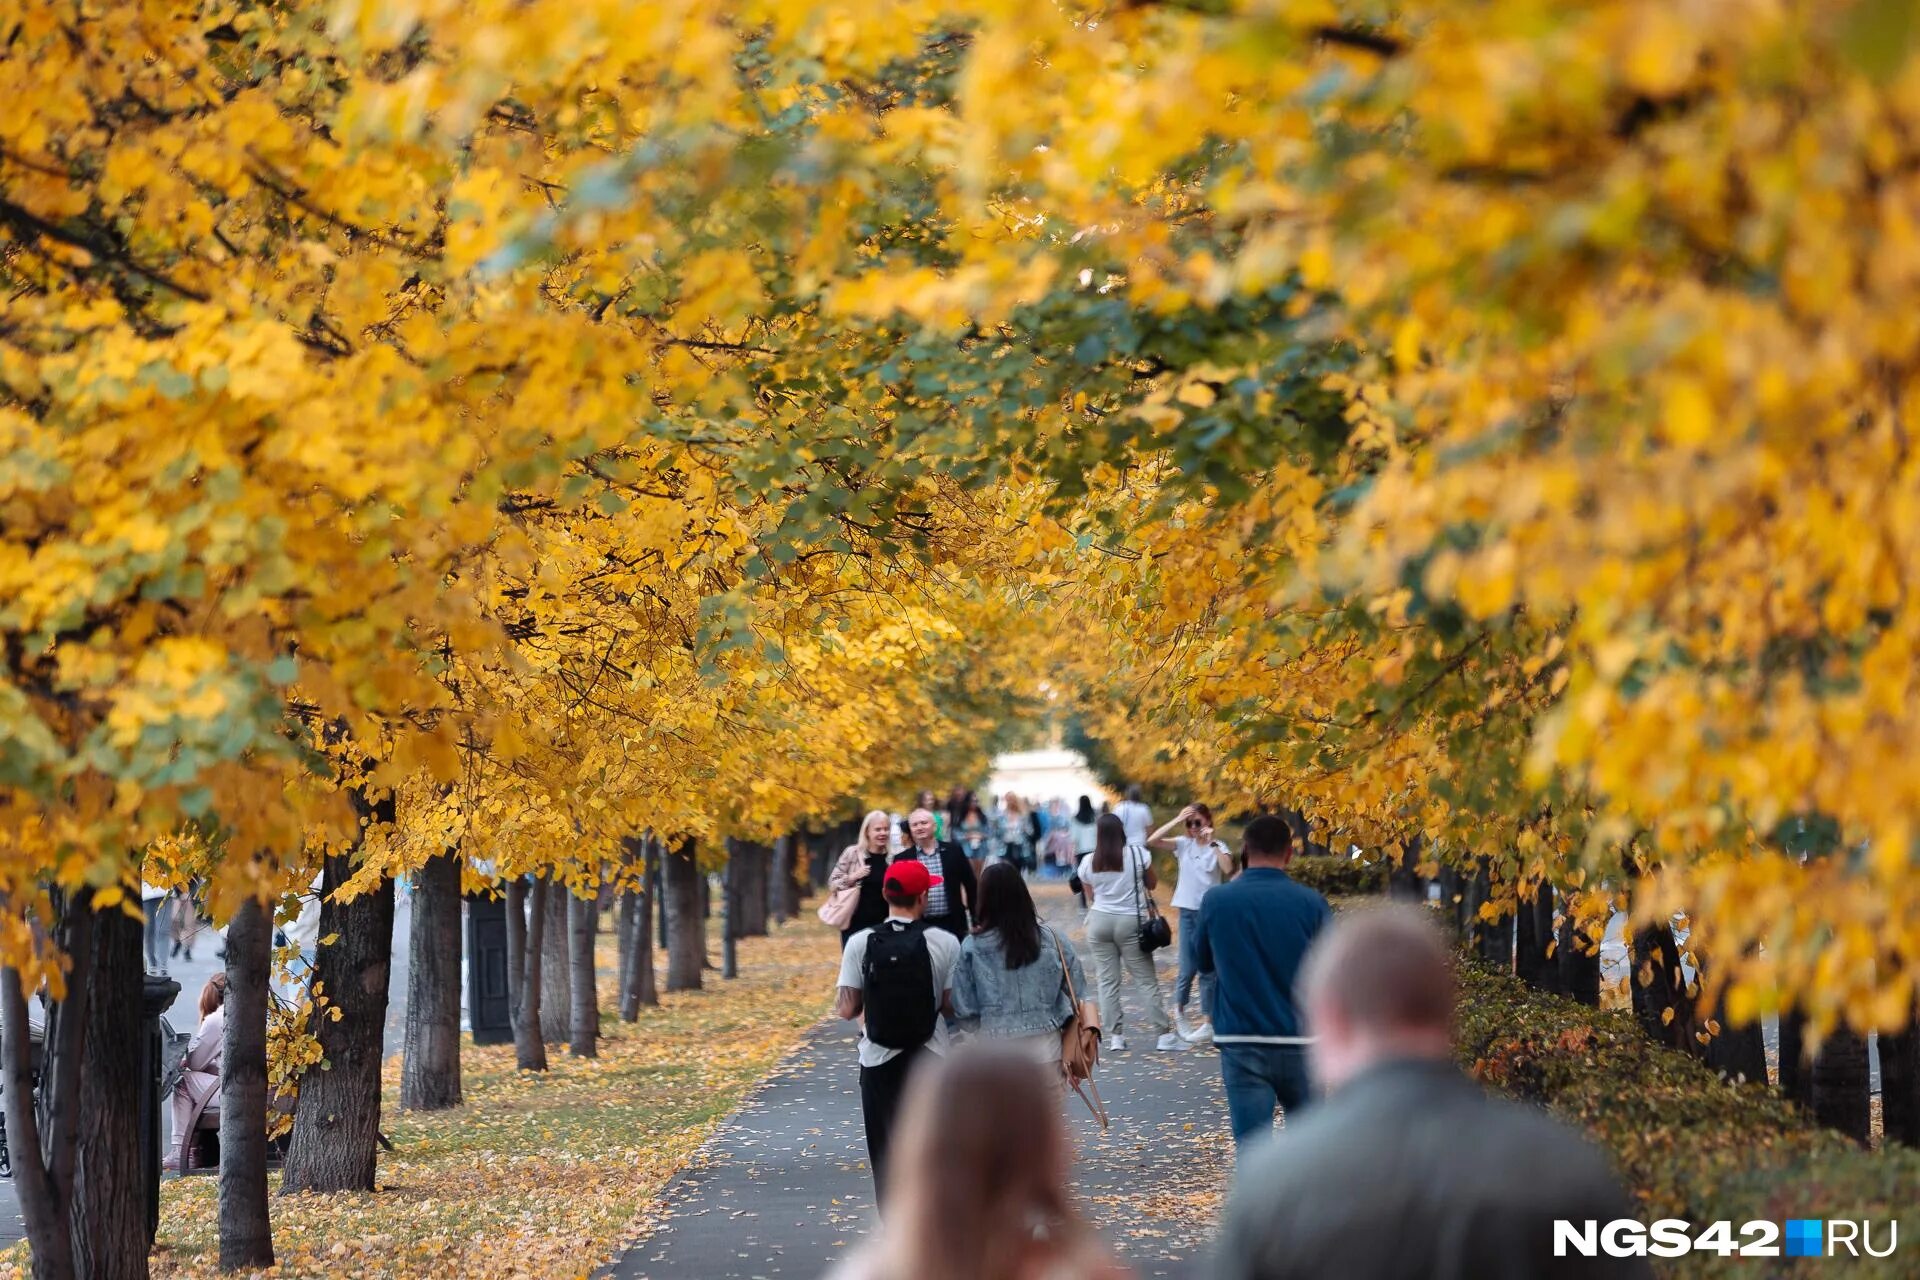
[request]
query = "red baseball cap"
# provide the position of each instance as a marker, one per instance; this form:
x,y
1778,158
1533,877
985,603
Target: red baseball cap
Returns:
x,y
909,877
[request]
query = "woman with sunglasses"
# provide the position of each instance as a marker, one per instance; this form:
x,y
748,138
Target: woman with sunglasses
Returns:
x,y
1204,862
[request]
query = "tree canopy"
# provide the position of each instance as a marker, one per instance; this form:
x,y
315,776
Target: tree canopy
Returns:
x,y
579,418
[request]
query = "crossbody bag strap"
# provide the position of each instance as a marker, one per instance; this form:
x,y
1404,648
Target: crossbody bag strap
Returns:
x,y
1139,889
1066,972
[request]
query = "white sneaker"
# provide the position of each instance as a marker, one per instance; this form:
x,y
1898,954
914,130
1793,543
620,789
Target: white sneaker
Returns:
x,y
1170,1043
1202,1034
1181,1027
1117,1043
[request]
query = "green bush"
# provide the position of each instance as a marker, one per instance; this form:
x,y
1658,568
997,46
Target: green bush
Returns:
x,y
1337,877
1689,1145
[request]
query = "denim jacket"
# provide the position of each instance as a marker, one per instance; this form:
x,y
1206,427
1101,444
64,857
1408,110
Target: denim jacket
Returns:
x,y
1000,1002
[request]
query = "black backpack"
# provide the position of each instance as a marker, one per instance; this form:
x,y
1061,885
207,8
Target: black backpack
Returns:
x,y
901,1008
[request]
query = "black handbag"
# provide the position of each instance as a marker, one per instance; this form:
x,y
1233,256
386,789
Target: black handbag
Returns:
x,y
1155,932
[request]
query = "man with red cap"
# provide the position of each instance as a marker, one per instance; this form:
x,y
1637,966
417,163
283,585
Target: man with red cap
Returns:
x,y
896,977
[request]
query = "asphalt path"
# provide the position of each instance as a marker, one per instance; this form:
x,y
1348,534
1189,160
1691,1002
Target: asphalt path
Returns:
x,y
782,1188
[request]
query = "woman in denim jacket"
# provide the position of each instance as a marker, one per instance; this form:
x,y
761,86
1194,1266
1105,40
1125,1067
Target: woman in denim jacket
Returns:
x,y
1007,984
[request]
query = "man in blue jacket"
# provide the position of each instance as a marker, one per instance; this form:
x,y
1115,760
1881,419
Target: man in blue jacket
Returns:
x,y
1254,934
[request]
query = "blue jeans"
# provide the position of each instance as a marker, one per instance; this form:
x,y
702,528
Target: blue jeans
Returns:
x,y
1257,1078
1190,965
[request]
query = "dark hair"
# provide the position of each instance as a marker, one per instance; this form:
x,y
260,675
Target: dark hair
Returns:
x,y
899,898
1133,792
1267,837
973,807
1109,843
1085,812
1005,904
1200,808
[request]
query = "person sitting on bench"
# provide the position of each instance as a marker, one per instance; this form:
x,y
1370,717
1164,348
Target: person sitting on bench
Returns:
x,y
196,1098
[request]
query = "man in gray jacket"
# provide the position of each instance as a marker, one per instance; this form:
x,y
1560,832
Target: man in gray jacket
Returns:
x,y
1408,1169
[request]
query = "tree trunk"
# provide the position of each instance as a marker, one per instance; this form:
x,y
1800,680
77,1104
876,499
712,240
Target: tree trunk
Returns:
x,y
1796,1073
583,1038
246,1229
1900,1084
1578,960
41,1138
1453,898
336,1124
1737,1053
526,929
686,928
751,865
1661,1003
1491,940
1533,941
623,926
556,965
1404,883
109,1220
643,986
818,865
430,1069
1841,1085
783,895
639,988
730,877
657,889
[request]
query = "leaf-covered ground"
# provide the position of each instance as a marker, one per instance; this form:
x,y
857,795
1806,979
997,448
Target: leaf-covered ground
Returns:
x,y
541,1175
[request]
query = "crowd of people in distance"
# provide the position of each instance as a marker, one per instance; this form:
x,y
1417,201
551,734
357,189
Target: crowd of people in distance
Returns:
x,y
1040,839
1391,1163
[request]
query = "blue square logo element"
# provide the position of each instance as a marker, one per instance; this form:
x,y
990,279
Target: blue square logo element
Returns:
x,y
1806,1237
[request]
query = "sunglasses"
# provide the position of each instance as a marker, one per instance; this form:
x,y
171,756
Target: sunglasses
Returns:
x,y
1194,824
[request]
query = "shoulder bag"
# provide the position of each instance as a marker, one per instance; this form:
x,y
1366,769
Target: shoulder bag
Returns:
x,y
1080,1041
840,905
1155,932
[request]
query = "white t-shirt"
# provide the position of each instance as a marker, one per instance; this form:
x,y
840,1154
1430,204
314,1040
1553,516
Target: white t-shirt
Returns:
x,y
1117,893
1199,871
1085,835
1136,818
942,948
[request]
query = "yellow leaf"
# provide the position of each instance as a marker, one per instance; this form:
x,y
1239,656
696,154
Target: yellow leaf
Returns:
x,y
1688,414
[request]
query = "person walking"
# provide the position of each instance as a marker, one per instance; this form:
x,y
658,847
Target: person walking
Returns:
x,y
896,978
1203,862
186,925
931,803
1138,819
1011,980
1014,836
863,865
1408,1168
950,903
1254,934
974,834
1115,879
1081,826
1058,859
155,900
973,1201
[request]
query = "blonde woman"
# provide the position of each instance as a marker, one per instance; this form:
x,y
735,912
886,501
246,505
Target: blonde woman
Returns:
x,y
863,864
